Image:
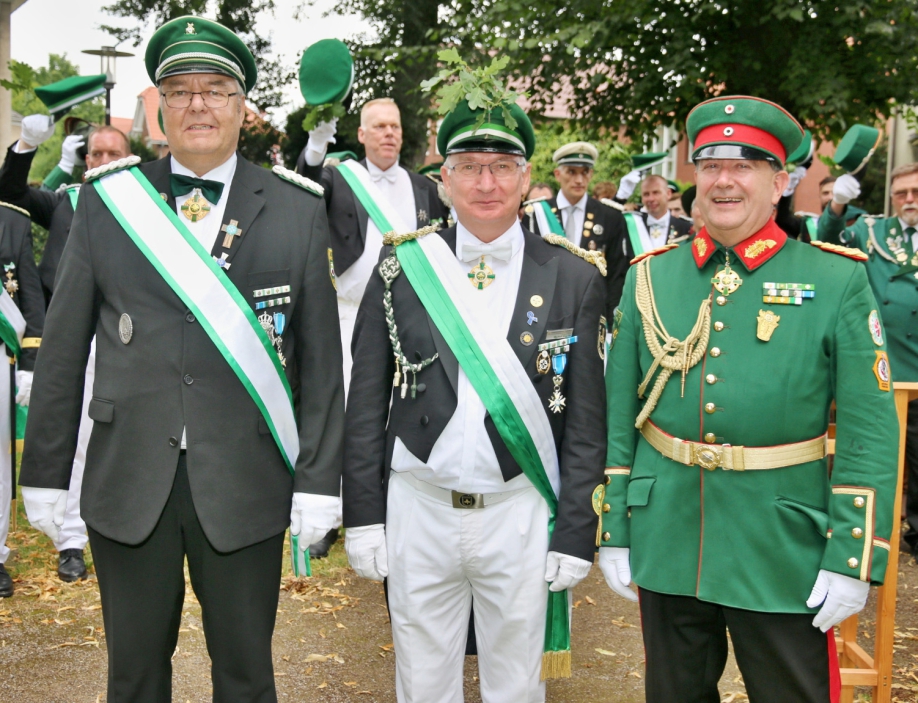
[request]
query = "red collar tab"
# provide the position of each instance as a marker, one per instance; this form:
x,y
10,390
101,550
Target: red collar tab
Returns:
x,y
730,133
703,247
753,251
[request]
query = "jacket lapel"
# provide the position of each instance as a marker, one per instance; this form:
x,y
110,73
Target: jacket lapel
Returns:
x,y
421,203
537,278
243,205
158,174
363,217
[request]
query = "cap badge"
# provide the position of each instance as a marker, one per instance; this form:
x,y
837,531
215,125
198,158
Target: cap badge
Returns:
x,y
729,109
728,131
189,28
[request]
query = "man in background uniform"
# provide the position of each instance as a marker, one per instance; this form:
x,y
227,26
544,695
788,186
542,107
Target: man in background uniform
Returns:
x,y
727,356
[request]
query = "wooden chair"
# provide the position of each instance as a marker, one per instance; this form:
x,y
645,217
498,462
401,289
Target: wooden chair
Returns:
x,y
857,667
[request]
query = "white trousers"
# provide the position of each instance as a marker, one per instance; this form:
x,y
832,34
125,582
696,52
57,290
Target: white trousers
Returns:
x,y
440,558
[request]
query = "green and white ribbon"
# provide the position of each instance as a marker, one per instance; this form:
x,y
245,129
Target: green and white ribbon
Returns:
x,y
505,390
12,323
548,221
637,233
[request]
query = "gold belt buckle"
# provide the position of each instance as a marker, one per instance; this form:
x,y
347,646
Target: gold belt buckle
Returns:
x,y
467,501
706,456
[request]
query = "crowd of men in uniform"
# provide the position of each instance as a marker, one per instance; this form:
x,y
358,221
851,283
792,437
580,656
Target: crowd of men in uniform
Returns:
x,y
484,393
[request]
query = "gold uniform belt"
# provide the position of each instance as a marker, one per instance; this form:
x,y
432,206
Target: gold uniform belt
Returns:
x,y
730,457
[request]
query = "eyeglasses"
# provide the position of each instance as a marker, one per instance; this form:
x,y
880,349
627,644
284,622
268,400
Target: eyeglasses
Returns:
x,y
469,170
903,194
183,98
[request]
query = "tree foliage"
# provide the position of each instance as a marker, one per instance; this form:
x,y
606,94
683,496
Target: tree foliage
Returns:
x,y
238,15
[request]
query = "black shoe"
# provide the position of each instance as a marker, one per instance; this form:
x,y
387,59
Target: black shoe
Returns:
x,y
319,550
6,583
70,565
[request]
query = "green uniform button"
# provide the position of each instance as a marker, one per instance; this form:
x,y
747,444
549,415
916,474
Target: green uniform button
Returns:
x,y
709,408
606,536
710,438
718,326
852,563
857,533
711,379
721,300
715,352
859,502
606,507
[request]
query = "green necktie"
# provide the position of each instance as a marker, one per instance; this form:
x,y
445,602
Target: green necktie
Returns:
x,y
909,233
212,190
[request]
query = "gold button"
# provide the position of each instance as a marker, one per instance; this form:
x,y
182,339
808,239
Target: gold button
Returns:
x,y
857,533
536,301
715,352
852,562
606,507
608,480
718,326
710,438
721,300
711,379
709,408
606,536
859,502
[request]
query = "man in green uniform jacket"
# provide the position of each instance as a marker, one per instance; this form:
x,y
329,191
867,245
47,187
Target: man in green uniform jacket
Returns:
x,y
891,245
717,490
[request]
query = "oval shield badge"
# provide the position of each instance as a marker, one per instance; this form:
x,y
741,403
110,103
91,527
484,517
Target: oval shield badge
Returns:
x,y
125,328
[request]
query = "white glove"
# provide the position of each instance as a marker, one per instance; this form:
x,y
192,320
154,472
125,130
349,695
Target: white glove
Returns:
x,y
23,388
846,189
841,597
627,185
319,139
69,152
366,551
312,516
45,508
563,571
795,178
615,563
36,129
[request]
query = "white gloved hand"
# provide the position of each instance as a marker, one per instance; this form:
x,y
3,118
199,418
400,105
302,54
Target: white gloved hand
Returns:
x,y
312,516
69,152
846,189
23,388
627,185
563,571
45,508
798,174
366,551
36,129
841,597
615,563
319,139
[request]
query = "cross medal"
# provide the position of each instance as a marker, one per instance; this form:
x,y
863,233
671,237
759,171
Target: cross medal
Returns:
x,y
231,230
196,207
727,281
481,276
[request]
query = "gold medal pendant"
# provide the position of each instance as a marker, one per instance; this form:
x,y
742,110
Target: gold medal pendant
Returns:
x,y
481,276
727,281
196,207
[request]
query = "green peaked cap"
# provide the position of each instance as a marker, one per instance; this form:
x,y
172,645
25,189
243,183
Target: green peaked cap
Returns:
x,y
196,45
804,151
856,147
59,97
326,72
643,161
458,131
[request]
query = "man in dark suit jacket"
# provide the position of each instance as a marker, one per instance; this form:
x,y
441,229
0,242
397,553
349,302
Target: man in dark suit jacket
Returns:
x,y
355,241
460,517
182,461
587,223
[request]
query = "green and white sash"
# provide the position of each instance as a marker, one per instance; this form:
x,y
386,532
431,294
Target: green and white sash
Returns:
x,y
506,391
548,221
12,323
637,232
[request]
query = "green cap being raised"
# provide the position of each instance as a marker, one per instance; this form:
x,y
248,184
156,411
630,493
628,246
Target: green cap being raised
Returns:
x,y
641,162
462,130
856,147
197,45
59,97
742,127
326,72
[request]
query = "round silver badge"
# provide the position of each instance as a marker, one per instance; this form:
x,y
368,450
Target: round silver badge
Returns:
x,y
125,328
729,109
728,131
598,229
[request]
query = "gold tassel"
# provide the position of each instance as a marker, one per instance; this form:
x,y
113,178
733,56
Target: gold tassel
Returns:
x,y
556,665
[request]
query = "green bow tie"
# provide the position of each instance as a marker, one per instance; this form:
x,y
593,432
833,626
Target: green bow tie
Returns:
x,y
212,190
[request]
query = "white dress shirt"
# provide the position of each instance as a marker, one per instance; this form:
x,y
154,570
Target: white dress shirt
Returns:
x,y
395,185
577,211
463,458
206,229
904,225
660,227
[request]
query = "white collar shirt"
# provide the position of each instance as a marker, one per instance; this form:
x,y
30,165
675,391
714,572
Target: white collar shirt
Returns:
x,y
395,186
574,231
658,230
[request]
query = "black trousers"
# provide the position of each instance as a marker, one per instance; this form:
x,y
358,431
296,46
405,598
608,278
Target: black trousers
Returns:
x,y
911,464
143,588
782,657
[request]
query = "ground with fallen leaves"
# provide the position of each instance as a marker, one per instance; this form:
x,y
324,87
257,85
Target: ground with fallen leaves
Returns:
x,y
332,642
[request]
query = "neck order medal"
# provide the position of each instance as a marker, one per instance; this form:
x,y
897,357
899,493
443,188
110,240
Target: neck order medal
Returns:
x,y
481,276
196,207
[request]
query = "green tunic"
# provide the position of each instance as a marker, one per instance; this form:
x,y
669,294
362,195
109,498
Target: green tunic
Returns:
x,y
894,283
754,539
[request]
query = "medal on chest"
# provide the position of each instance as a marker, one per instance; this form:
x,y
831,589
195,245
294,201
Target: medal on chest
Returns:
x,y
481,276
196,207
553,357
10,284
726,281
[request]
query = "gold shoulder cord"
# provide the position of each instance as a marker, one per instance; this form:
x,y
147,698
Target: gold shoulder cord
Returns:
x,y
672,354
591,257
394,239
872,240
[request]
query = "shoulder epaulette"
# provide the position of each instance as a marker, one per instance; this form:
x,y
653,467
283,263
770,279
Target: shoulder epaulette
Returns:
x,y
105,169
608,202
16,208
855,254
297,179
394,239
653,252
64,187
527,205
591,257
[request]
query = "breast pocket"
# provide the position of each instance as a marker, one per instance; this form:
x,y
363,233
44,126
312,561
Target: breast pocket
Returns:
x,y
101,410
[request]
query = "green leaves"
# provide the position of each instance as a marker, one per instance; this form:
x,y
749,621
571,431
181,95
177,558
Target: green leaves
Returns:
x,y
481,86
322,113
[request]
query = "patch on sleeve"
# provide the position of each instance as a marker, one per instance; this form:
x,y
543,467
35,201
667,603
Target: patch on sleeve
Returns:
x,y
598,498
616,323
881,370
331,269
603,328
876,329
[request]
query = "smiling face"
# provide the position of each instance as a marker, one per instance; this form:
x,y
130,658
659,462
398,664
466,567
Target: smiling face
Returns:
x,y
655,195
201,137
737,196
905,198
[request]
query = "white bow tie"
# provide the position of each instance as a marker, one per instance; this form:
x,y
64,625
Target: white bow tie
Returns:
x,y
475,250
383,176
